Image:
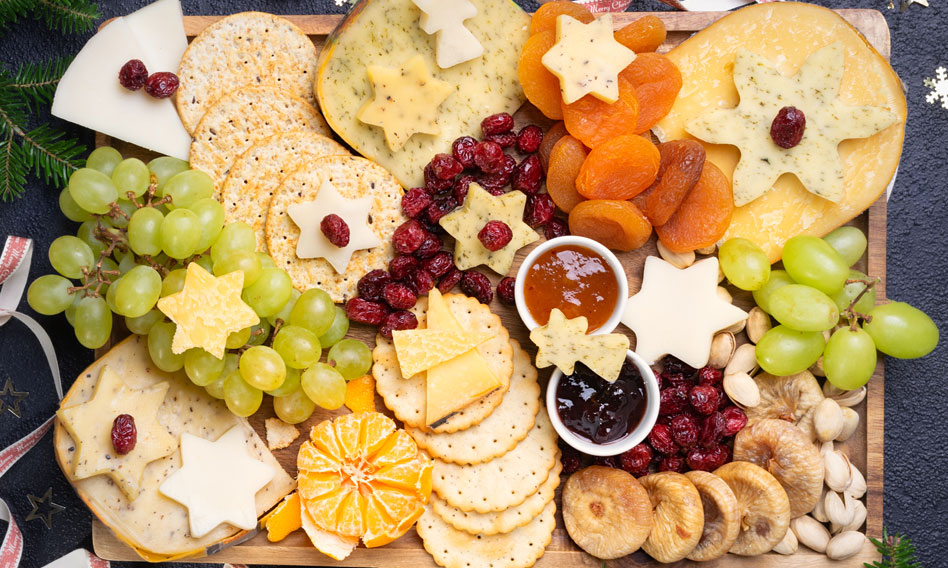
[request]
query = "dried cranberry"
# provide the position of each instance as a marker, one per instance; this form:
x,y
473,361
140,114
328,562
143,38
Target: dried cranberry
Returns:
x,y
433,184
529,138
674,400
133,75
787,128
712,430
445,166
399,296
672,463
335,229
397,320
402,265
571,463
707,459
505,290
415,201
450,280
497,124
489,157
495,235
684,430
607,461
421,281
441,207
539,210
372,283
555,228
439,264
494,184
636,460
674,365
409,236
734,419
463,150
709,376
429,247
661,439
364,311
161,85
676,379
704,399
461,186
510,164
475,284
528,175
505,140
124,434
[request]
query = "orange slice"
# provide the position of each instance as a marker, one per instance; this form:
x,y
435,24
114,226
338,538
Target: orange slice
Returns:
x,y
360,394
284,519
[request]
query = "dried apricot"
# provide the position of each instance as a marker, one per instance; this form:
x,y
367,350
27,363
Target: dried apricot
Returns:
x,y
594,121
657,82
545,17
704,215
616,224
566,159
541,87
550,139
682,161
621,168
643,35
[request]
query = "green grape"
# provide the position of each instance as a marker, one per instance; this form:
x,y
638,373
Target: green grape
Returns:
x,y
138,291
266,261
324,386
270,292
211,217
126,207
180,233
165,168
142,324
216,387
783,351
778,279
338,329
290,383
259,333
143,231
205,262
69,255
849,242
174,282
131,174
92,190
294,408
242,399
902,331
243,260
849,358
351,358
86,233
188,187
127,264
104,159
71,310
71,209
110,296
160,337
93,322
237,339
314,310
284,313
298,346
234,236
803,308
849,292
49,294
202,367
262,367
811,261
744,264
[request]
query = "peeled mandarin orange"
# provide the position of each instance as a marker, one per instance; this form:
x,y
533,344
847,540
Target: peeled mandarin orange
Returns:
x,y
284,519
545,17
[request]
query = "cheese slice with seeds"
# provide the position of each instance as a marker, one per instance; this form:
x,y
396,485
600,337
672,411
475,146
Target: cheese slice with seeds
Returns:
x,y
421,349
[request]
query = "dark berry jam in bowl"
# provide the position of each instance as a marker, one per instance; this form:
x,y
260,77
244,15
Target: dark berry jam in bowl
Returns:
x,y
601,418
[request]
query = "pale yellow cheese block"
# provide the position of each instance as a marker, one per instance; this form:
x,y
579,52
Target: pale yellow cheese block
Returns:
x,y
787,33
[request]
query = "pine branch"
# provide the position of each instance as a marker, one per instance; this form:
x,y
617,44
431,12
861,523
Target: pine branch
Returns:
x,y
68,16
897,552
12,10
35,83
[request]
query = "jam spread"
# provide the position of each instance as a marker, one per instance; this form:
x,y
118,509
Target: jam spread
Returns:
x,y
597,410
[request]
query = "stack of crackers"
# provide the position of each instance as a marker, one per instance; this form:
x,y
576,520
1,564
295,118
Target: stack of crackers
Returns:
x,y
496,461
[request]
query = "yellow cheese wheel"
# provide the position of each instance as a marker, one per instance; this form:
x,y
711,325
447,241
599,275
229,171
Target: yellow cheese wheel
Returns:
x,y
786,33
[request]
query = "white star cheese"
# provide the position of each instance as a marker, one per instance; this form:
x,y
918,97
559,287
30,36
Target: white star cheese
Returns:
x,y
445,18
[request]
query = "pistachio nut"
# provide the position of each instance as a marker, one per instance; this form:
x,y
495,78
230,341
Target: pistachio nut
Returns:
x,y
837,471
845,545
758,323
722,349
850,423
828,420
788,545
810,533
742,389
676,259
744,360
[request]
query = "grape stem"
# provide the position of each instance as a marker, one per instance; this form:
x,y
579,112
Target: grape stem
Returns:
x,y
276,328
160,268
851,312
93,280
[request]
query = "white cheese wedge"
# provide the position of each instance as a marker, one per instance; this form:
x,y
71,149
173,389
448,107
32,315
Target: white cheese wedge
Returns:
x,y
159,28
445,18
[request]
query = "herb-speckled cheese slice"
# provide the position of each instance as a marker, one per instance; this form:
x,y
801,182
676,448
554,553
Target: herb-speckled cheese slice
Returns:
x,y
563,342
386,33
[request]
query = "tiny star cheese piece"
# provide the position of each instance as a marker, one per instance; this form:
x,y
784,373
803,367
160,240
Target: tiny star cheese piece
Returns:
x,y
90,425
587,59
309,214
480,207
207,484
677,312
207,310
563,342
406,101
421,349
763,92
455,43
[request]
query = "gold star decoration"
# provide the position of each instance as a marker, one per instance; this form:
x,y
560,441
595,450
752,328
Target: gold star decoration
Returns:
x,y
563,342
406,101
207,310
49,508
9,393
814,91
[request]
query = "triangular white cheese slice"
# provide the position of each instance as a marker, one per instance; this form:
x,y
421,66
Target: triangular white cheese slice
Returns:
x,y
159,28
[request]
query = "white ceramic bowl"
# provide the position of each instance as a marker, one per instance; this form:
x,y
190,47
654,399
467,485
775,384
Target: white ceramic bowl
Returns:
x,y
610,258
652,402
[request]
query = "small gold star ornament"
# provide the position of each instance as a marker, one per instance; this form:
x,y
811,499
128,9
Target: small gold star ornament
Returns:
x,y
9,393
44,508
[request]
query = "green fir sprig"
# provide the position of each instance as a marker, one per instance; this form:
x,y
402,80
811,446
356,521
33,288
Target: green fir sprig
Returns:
x,y
66,16
897,552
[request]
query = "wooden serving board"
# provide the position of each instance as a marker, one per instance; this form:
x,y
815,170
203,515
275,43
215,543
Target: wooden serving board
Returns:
x,y
865,448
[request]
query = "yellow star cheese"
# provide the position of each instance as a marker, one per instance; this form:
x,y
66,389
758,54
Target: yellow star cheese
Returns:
x,y
406,101
207,310
421,349
563,342
677,312
445,18
480,207
813,90
587,59
90,426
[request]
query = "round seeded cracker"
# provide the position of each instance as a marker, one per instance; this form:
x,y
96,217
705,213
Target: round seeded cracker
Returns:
x,y
354,177
249,48
260,170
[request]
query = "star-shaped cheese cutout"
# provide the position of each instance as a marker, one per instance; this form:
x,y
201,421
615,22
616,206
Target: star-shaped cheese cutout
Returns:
x,y
445,18
421,349
217,481
677,312
309,214
406,101
563,342
480,207
587,59
813,90
207,310
90,426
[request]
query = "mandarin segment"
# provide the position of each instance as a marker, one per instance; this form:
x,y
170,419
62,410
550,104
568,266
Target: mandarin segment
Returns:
x,y
550,139
541,87
643,35
595,121
284,519
682,162
360,394
544,19
657,82
566,159
616,224
704,215
620,169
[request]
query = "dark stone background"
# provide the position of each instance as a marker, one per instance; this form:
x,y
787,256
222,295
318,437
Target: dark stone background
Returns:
x,y
916,495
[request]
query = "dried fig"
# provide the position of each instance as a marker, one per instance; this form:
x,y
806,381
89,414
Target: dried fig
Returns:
x,y
722,519
792,398
763,505
678,517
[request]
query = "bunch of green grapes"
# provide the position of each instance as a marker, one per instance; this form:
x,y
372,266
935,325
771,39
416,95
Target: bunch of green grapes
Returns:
x,y
818,293
141,225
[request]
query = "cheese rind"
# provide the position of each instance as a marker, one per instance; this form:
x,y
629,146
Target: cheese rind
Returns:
x,y
421,349
563,342
445,19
